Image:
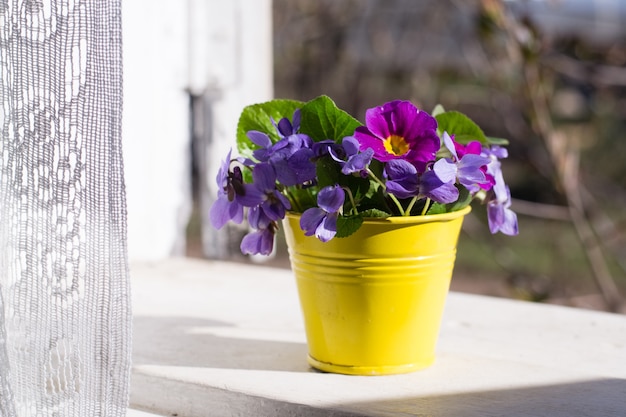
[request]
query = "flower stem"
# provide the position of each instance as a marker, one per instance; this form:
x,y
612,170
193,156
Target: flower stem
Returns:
x,y
395,200
353,210
295,204
426,204
410,207
393,197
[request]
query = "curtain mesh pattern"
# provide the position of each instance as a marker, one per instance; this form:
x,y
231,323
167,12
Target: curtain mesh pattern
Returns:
x,y
64,286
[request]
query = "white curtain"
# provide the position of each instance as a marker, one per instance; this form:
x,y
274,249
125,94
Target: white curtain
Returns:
x,y
64,286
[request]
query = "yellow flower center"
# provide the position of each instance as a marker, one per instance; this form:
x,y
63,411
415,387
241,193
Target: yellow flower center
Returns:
x,y
396,145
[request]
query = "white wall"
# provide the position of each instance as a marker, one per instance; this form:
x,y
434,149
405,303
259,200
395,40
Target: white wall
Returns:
x,y
217,49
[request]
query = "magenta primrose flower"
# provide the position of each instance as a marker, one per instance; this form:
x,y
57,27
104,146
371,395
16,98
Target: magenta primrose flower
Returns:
x,y
399,130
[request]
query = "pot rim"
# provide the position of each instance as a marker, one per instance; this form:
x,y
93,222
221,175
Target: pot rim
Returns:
x,y
407,219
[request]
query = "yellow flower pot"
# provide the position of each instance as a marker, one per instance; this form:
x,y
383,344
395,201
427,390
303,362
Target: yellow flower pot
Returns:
x,y
372,302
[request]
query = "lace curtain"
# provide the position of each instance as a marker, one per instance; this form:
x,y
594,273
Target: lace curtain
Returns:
x,y
64,288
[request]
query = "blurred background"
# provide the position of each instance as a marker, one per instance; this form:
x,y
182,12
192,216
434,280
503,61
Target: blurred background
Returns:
x,y
550,76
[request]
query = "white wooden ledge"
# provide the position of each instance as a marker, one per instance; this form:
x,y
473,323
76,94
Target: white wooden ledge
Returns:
x,y
225,339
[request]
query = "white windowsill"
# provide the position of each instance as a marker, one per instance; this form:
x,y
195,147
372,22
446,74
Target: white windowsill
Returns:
x,y
222,339
137,413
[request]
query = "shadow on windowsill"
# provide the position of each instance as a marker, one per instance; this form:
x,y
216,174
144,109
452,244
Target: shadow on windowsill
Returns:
x,y
192,342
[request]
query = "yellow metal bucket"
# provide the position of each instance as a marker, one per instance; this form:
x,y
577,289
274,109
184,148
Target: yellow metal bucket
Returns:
x,y
372,302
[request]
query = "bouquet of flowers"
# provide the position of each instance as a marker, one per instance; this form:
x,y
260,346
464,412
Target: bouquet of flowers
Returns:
x,y
336,172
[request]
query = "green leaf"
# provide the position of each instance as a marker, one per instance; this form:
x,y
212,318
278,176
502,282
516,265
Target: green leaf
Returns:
x,y
328,171
465,198
375,213
461,126
437,208
375,198
497,141
348,225
437,110
258,117
301,198
358,186
322,119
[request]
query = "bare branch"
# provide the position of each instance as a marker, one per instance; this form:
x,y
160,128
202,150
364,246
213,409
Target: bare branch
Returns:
x,y
544,211
602,75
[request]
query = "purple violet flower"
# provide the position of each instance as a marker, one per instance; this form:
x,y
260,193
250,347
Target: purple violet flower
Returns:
x,y
297,168
232,196
399,130
355,161
476,148
467,169
258,242
291,156
322,221
494,168
437,190
325,147
266,148
402,178
258,219
285,128
501,217
273,203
